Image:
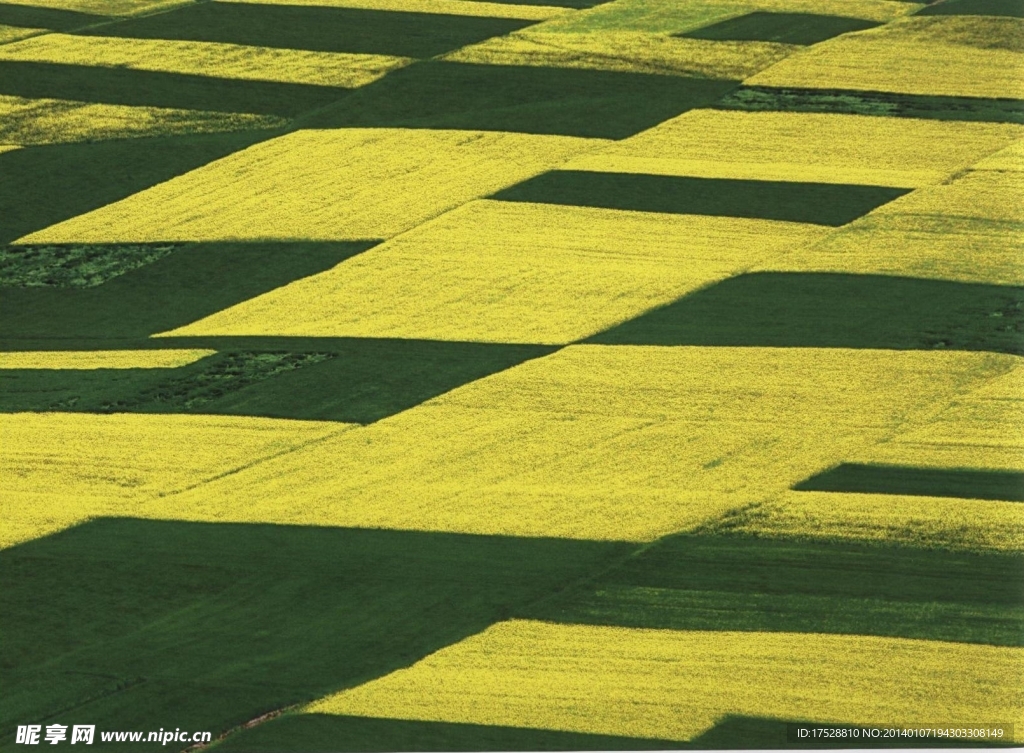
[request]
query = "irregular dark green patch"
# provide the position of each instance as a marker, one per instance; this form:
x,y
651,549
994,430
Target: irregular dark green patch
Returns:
x,y
732,582
819,203
55,19
787,28
305,733
131,624
73,266
331,379
415,35
43,185
192,282
124,86
525,99
923,482
1012,8
823,310
765,98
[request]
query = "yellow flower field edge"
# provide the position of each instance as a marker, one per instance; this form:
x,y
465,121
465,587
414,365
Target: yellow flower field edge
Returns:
x,y
101,359
575,271
959,56
675,685
216,59
627,51
601,442
323,185
811,147
58,469
31,122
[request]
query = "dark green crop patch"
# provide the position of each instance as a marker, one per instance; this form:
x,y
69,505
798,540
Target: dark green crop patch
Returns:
x,y
785,28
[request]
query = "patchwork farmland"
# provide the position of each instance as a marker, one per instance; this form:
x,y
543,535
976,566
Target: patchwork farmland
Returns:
x,y
461,375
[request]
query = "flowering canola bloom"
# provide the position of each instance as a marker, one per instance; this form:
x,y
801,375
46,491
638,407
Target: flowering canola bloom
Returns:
x,y
1011,159
445,7
811,147
512,272
58,469
969,230
54,121
12,33
659,16
971,525
983,429
966,56
628,51
346,184
101,359
600,442
216,59
675,685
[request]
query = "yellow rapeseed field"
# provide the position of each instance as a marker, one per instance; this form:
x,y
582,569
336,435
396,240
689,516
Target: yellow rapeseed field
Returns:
x,y
813,147
207,59
54,121
969,230
660,16
967,56
942,522
983,429
1011,158
323,185
601,442
630,51
446,7
8,148
675,685
104,7
57,469
12,33
101,359
512,272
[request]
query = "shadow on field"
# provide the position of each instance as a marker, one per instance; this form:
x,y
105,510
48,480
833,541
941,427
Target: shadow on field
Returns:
x,y
191,282
43,185
887,104
315,733
132,624
524,99
1014,8
820,310
736,582
820,203
921,482
124,86
55,19
415,35
329,379
785,28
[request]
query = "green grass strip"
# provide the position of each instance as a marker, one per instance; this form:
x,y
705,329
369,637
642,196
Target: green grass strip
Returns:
x,y
923,482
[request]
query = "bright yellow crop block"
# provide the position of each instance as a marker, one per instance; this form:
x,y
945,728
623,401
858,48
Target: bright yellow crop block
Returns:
x,y
674,685
56,121
628,51
601,442
445,7
966,56
511,272
206,59
353,183
812,147
101,359
58,469
11,33
970,230
1011,158
972,525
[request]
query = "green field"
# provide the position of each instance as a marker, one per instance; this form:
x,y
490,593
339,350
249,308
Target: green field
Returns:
x,y
423,375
